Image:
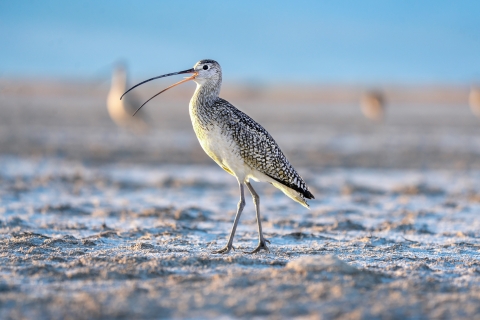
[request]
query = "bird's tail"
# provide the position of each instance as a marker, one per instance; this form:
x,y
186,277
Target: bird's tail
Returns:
x,y
295,195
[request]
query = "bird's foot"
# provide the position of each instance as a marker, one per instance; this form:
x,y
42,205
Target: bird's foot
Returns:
x,y
262,245
224,250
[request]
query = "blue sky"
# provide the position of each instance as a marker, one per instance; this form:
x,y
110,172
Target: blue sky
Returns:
x,y
271,41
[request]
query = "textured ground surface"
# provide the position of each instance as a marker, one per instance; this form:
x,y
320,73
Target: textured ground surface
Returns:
x,y
135,241
98,223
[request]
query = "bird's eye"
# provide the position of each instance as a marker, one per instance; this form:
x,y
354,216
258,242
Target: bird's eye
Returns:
x,y
205,67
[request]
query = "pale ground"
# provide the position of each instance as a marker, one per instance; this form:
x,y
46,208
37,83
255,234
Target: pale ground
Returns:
x,y
98,223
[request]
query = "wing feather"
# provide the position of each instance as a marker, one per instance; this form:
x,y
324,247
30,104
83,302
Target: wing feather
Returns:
x,y
258,148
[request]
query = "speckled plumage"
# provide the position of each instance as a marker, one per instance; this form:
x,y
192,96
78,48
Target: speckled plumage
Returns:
x,y
251,142
237,143
247,141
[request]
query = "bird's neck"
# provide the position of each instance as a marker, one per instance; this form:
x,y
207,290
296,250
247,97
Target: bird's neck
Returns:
x,y
206,93
202,102
119,81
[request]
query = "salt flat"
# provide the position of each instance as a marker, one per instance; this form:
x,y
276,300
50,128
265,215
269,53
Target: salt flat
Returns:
x,y
98,223
128,241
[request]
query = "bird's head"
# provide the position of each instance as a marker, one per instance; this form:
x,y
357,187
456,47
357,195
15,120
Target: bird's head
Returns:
x,y
207,70
204,71
119,76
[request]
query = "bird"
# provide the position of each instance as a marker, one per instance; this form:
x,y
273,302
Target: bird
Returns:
x,y
237,143
120,111
372,106
474,101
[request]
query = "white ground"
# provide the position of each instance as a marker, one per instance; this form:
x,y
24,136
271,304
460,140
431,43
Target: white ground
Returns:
x,y
97,223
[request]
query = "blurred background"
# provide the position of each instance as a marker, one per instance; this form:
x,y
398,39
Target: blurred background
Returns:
x,y
348,84
108,216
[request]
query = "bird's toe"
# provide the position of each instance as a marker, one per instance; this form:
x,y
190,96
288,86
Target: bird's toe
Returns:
x,y
223,250
261,246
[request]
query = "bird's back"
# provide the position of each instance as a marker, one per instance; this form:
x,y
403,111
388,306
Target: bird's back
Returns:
x,y
256,146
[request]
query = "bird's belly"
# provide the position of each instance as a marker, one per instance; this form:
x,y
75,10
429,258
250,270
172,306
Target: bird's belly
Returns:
x,y
222,149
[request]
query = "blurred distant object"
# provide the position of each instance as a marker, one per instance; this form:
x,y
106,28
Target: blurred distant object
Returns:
x,y
474,100
372,106
428,125
121,111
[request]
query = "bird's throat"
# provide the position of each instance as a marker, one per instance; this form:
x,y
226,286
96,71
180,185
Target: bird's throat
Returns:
x,y
206,92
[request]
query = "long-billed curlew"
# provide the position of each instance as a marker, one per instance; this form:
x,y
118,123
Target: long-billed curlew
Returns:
x,y
372,105
120,111
237,143
474,101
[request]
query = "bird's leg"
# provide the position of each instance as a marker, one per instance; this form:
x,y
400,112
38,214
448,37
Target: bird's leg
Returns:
x,y
241,205
262,242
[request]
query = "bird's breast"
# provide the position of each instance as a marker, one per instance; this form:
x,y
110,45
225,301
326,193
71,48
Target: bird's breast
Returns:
x,y
116,106
219,145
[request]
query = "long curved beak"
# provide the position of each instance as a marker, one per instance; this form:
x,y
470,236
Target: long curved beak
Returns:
x,y
163,76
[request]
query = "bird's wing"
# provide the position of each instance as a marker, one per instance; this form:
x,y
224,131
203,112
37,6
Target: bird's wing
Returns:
x,y
259,149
